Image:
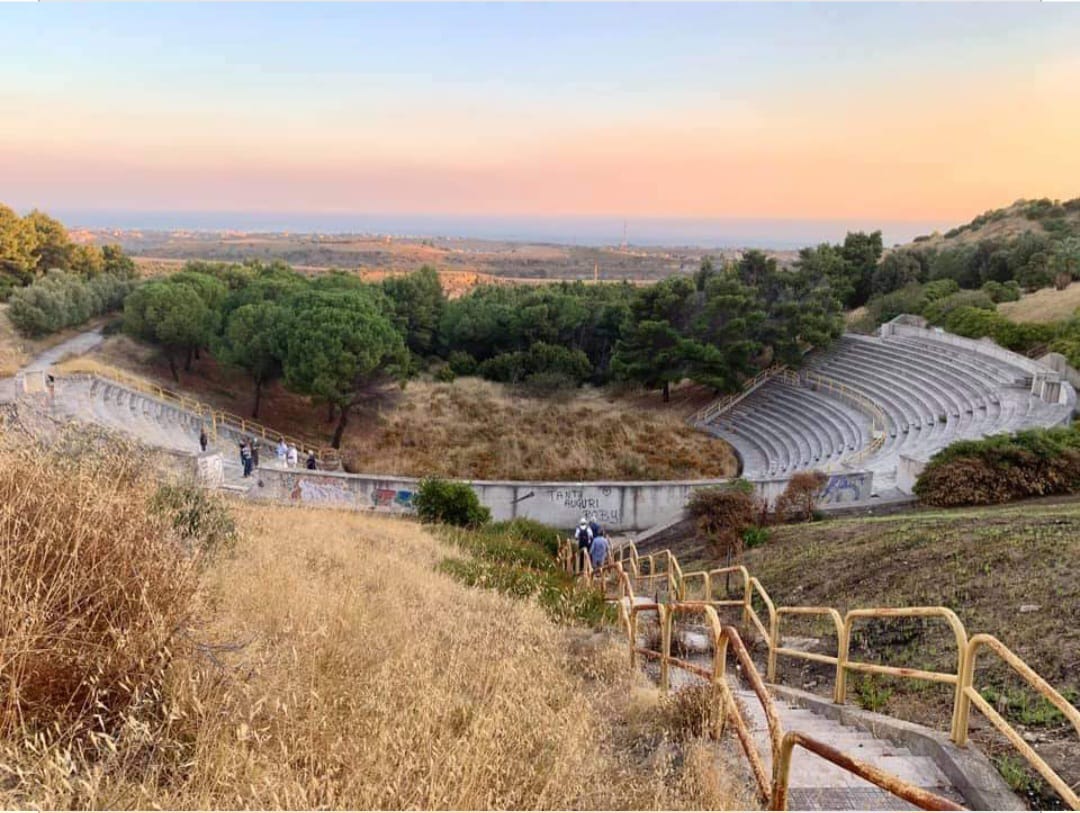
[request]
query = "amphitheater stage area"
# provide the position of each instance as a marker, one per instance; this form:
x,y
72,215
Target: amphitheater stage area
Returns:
x,y
886,404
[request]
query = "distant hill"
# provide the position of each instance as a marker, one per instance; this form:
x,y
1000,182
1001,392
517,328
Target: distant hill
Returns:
x,y
1051,218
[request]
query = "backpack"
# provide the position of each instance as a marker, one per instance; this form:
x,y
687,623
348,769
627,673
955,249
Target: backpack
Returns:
x,y
594,526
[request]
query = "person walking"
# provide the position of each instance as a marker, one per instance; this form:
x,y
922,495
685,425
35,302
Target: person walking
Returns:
x,y
203,440
245,458
254,453
312,463
594,527
292,456
282,452
583,534
598,552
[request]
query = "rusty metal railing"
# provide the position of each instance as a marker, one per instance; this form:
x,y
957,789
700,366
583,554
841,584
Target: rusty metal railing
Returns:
x,y
772,785
694,594
969,695
879,422
726,402
906,791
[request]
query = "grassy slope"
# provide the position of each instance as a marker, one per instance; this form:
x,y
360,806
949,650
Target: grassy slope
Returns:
x,y
1011,225
1046,305
476,429
328,664
983,564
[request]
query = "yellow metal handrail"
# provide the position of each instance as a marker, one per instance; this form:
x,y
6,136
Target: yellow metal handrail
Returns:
x,y
214,417
772,789
725,402
879,422
969,695
967,649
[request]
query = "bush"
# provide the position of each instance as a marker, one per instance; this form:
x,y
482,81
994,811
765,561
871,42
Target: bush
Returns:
x,y
938,311
755,536
1036,462
461,363
799,499
939,289
449,502
200,518
529,530
723,515
61,299
445,374
547,363
1002,291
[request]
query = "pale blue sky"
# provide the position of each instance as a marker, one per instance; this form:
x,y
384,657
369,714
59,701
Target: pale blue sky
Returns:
x,y
916,111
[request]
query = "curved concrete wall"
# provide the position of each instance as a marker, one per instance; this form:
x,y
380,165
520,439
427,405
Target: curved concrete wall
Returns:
x,y
627,506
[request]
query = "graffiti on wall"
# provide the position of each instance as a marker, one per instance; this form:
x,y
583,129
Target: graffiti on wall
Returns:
x,y
210,470
315,491
601,503
843,488
392,498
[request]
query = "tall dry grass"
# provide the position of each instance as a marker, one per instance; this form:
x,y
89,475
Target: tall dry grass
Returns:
x,y
477,429
322,663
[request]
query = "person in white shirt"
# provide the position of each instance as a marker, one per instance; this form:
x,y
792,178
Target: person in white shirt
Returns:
x,y
292,456
282,452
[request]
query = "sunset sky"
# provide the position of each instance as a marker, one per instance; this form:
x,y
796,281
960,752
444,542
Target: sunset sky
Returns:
x,y
892,112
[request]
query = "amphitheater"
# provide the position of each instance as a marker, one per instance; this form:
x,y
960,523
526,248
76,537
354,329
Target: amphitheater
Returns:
x,y
886,403
870,410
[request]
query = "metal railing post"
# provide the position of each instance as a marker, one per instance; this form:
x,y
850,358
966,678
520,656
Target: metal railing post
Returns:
x,y
666,618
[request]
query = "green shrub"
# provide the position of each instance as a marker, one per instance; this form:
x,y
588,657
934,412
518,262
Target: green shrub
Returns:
x,y
542,362
444,373
755,536
61,299
529,530
462,363
1002,291
938,311
201,518
1000,468
449,502
939,289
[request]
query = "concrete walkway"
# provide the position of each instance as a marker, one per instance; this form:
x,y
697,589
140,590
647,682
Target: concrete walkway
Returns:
x,y
75,346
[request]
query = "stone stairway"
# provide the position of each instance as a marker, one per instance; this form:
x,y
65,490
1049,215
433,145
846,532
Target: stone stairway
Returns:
x,y
817,784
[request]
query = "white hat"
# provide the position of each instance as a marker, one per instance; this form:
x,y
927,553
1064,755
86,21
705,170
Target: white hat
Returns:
x,y
583,522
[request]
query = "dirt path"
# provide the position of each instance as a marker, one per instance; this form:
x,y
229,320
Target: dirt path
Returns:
x,y
75,346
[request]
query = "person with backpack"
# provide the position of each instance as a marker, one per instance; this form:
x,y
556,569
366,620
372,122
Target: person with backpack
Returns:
x,y
594,527
312,463
203,440
583,535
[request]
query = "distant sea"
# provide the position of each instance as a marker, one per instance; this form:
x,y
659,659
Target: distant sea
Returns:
x,y
593,231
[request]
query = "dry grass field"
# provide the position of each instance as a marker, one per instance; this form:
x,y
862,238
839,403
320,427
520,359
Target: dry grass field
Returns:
x,y
473,428
320,662
1047,305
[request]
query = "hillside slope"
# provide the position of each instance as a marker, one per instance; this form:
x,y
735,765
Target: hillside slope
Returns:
x,y
323,662
1043,217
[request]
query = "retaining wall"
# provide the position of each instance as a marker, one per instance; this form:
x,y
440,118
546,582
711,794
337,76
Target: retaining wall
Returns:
x,y
627,506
